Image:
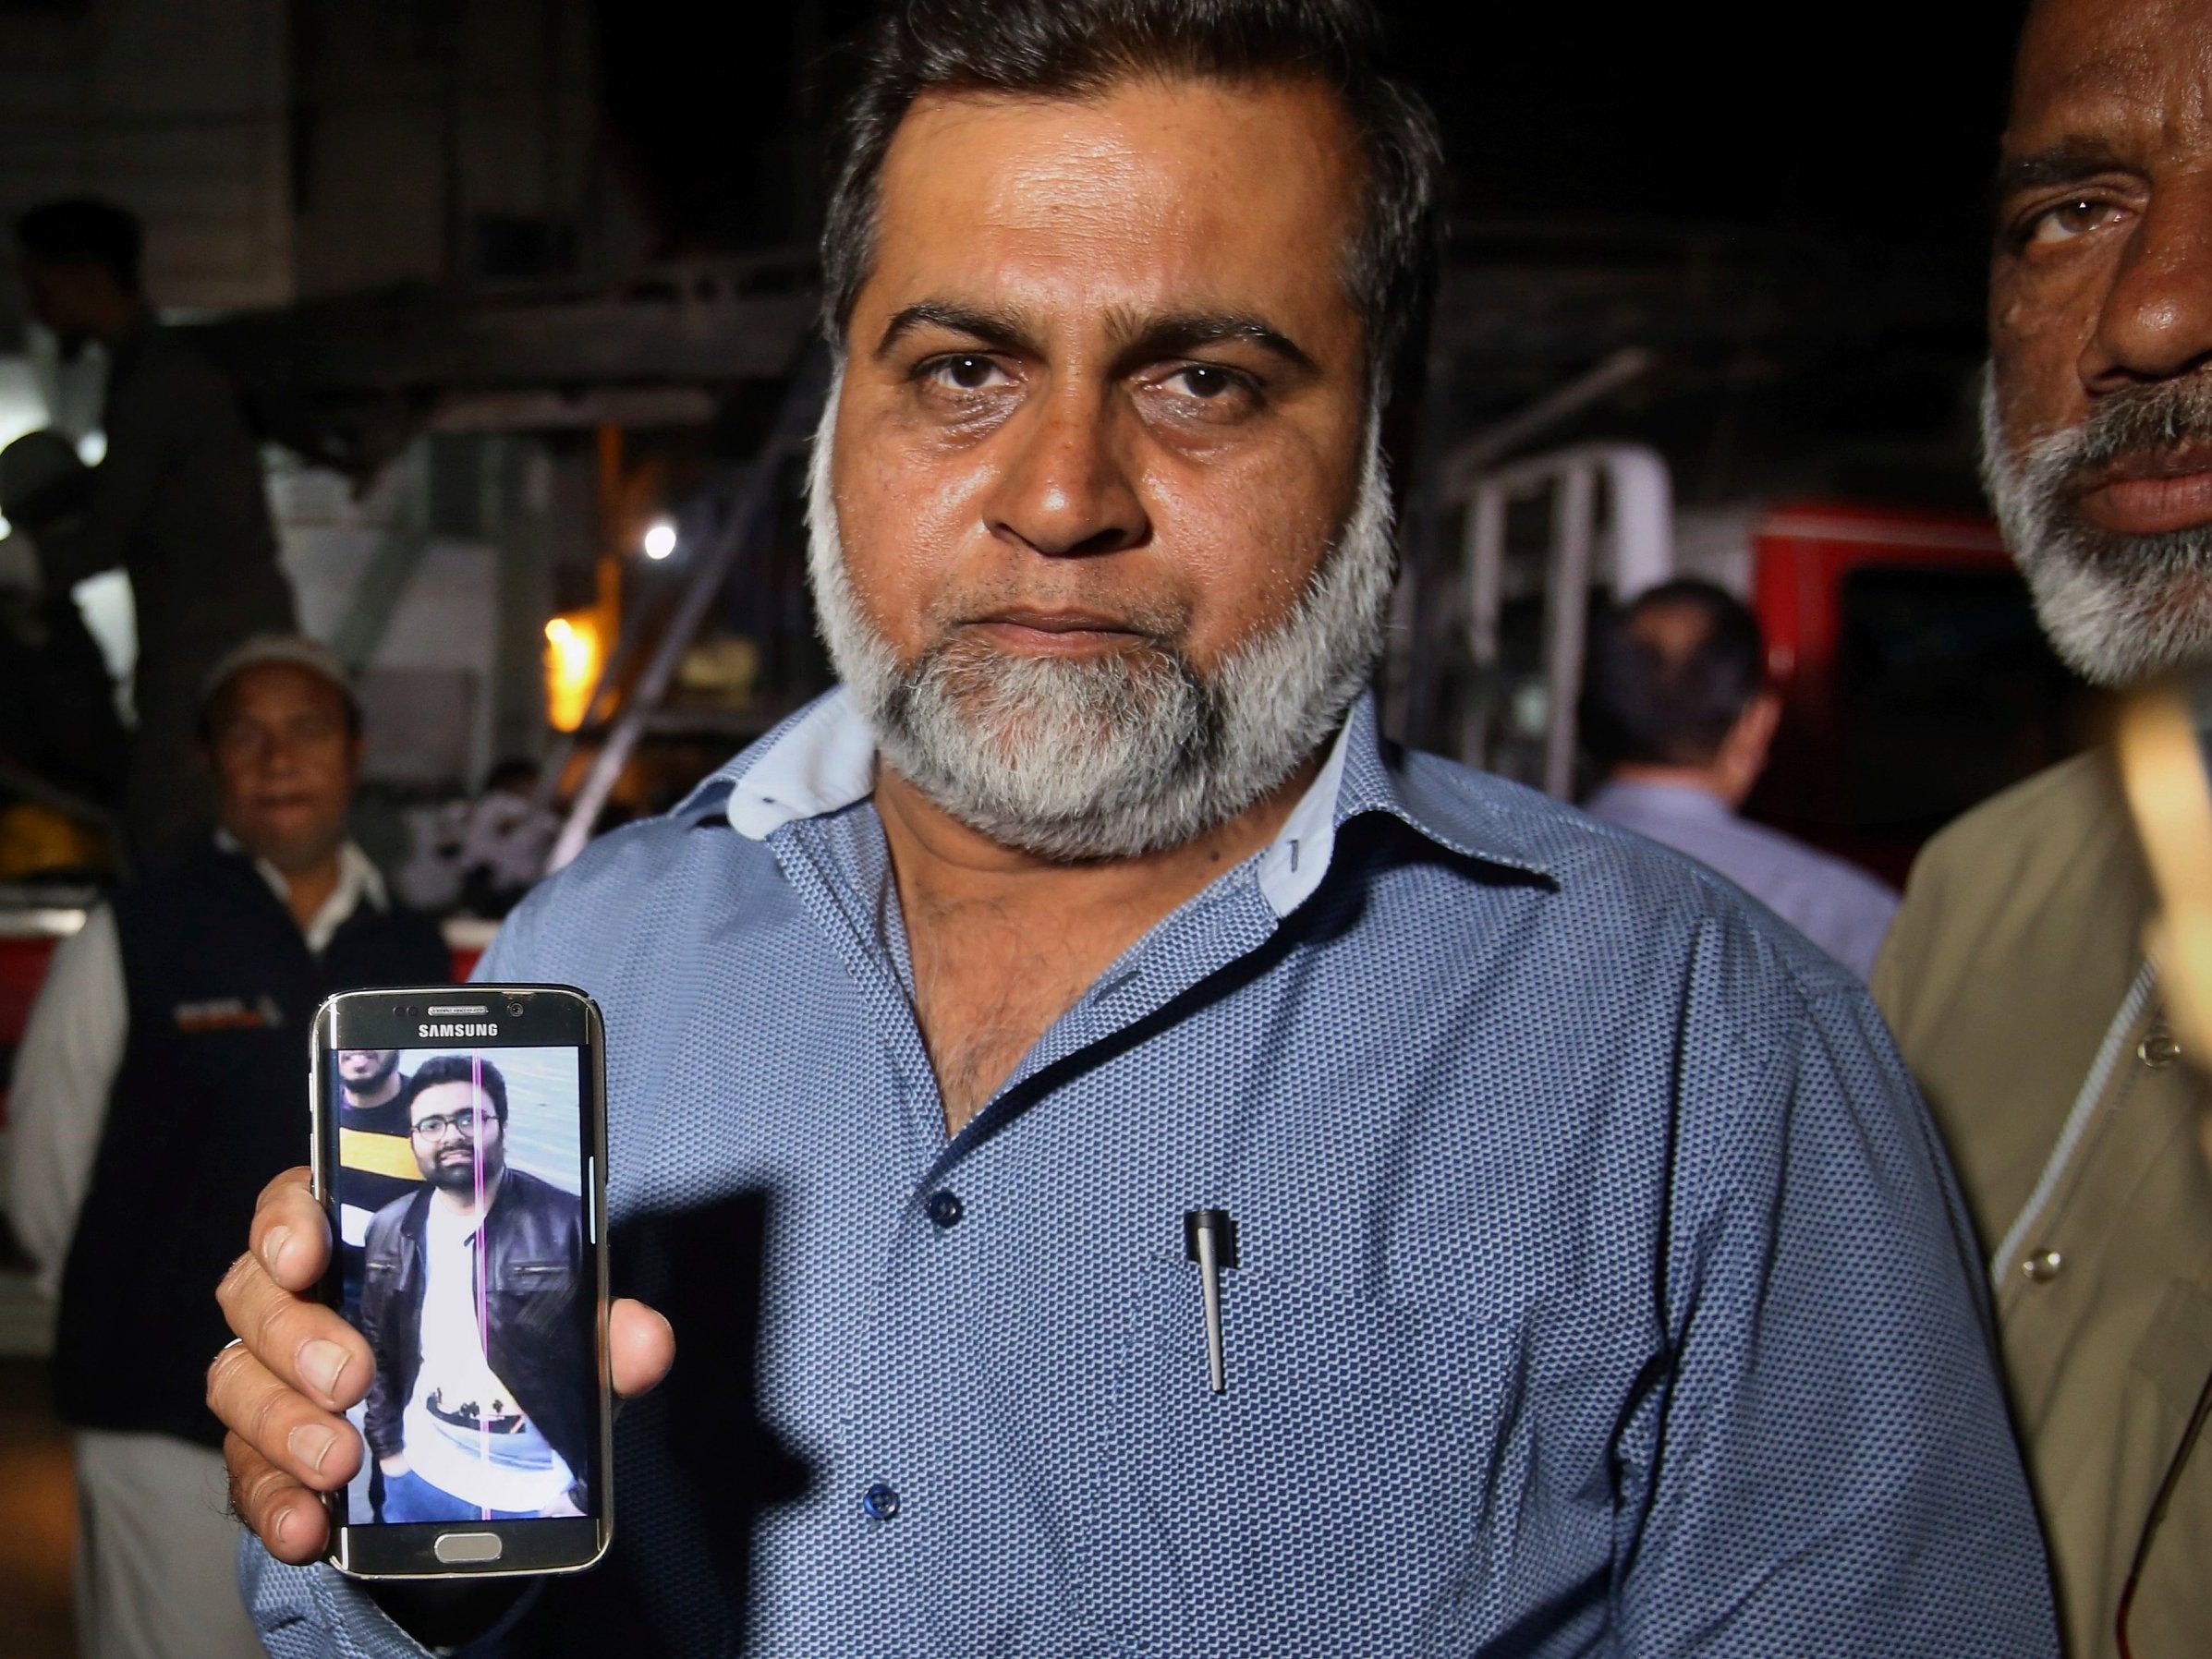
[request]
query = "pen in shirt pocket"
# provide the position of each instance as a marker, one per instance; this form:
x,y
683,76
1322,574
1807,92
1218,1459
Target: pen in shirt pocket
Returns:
x,y
1210,1239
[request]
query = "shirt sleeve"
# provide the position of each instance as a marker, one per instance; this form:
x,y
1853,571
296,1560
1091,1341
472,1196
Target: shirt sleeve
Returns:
x,y
58,1103
1828,1469
314,1612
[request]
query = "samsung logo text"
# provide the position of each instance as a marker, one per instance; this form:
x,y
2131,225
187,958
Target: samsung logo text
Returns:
x,y
428,1030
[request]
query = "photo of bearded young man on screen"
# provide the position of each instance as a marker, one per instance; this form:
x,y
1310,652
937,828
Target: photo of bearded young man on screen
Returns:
x,y
472,1299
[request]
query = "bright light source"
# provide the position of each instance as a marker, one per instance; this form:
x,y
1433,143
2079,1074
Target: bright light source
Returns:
x,y
573,656
660,540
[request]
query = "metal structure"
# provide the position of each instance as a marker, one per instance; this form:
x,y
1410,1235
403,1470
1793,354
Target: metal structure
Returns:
x,y
536,358
752,494
1612,497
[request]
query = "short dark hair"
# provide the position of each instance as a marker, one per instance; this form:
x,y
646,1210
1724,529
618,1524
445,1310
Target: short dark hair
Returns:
x,y
1662,695
1078,48
460,1068
82,231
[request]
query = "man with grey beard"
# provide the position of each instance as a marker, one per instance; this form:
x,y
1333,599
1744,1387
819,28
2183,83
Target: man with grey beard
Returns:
x,y
1168,1171
2015,975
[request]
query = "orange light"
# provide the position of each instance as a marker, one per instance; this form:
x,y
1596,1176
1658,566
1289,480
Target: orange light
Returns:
x,y
573,656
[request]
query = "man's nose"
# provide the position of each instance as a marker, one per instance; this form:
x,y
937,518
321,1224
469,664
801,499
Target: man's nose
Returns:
x,y
1066,489
2155,321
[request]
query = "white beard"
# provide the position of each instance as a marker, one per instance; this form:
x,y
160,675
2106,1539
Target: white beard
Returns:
x,y
1120,755
2118,609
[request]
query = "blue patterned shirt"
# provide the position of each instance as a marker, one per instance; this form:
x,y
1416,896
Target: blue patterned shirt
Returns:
x,y
1599,1284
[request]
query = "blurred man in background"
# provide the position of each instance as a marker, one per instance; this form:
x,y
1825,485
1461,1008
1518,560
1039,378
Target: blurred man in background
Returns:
x,y
2015,976
177,503
1678,707
160,1084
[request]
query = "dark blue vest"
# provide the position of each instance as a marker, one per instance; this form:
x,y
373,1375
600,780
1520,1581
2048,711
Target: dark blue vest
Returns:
x,y
210,1103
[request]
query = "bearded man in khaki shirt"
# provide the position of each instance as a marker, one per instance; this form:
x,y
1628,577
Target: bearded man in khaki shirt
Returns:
x,y
2015,975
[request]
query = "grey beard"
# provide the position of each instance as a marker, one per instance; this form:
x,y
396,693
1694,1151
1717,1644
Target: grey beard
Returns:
x,y
1126,755
2118,609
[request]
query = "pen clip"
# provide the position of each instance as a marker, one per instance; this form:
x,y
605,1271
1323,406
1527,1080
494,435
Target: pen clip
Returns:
x,y
1222,1226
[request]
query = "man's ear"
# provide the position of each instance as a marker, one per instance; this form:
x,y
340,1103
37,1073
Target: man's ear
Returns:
x,y
1743,754
1756,727
1753,735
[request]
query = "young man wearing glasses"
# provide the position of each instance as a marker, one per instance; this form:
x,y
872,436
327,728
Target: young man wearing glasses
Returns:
x,y
465,1426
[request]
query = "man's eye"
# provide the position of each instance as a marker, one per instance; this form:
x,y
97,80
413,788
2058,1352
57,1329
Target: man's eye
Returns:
x,y
1206,380
2069,220
968,371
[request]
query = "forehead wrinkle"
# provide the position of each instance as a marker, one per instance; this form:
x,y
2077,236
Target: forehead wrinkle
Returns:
x,y
2127,66
1097,177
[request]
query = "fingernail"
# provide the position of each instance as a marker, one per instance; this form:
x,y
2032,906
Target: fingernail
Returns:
x,y
283,1523
311,1442
273,1247
322,1363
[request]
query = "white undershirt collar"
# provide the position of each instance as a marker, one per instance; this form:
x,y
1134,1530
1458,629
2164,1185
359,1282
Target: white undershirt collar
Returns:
x,y
359,881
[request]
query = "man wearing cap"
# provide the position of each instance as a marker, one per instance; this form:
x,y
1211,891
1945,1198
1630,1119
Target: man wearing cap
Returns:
x,y
161,1082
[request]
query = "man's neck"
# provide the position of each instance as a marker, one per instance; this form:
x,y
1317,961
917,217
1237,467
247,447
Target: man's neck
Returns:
x,y
1004,941
386,1090
1701,779
308,882
939,857
468,1208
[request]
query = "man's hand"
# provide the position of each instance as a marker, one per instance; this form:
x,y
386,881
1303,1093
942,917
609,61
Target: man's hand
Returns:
x,y
281,1388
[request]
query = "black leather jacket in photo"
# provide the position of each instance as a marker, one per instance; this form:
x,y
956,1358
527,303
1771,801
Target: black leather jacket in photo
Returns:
x,y
539,1326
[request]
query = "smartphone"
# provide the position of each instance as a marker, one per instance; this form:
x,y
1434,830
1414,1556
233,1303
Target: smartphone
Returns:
x,y
460,1150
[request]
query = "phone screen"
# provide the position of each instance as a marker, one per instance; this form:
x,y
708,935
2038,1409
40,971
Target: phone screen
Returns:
x,y
460,1197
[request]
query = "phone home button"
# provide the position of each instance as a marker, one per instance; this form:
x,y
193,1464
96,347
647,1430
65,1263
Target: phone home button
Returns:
x,y
454,1548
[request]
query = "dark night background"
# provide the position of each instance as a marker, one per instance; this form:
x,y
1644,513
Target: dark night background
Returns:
x,y
1788,202
1875,120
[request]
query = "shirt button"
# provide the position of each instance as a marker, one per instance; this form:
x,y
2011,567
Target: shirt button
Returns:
x,y
2042,1266
2158,1051
880,1502
944,1208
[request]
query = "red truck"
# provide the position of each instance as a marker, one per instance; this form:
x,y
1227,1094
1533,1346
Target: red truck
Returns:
x,y
1914,680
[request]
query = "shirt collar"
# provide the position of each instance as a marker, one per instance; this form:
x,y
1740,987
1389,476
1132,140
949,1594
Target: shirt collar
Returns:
x,y
823,760
819,761
359,881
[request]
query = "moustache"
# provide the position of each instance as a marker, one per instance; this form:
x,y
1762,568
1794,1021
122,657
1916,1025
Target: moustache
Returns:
x,y
2144,431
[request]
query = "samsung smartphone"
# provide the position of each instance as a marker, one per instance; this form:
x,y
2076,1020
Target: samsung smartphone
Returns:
x,y
460,1149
